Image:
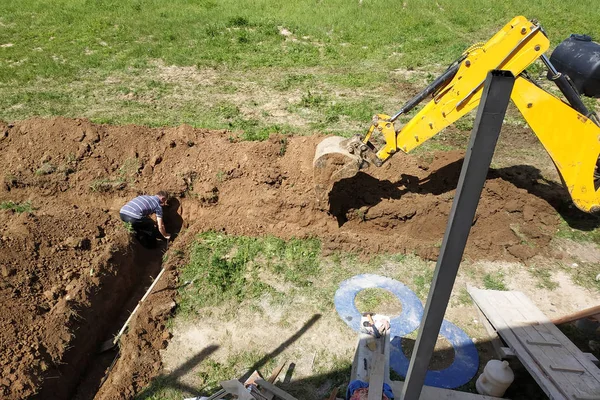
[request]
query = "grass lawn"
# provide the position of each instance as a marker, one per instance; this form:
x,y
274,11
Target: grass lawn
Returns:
x,y
259,67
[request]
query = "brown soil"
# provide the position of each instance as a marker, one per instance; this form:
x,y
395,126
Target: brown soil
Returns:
x,y
71,274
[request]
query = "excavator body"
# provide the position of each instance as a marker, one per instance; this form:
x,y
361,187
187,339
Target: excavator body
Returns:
x,y
569,132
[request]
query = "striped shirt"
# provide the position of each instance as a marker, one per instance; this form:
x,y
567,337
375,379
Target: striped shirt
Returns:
x,y
143,206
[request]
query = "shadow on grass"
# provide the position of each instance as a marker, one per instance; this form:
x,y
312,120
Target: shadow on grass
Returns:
x,y
172,380
321,385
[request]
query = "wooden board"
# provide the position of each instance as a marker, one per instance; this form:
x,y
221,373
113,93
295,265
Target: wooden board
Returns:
x,y
364,357
376,376
559,367
493,335
280,393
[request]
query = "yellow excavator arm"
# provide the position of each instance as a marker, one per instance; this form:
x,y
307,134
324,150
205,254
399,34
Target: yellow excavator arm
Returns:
x,y
568,134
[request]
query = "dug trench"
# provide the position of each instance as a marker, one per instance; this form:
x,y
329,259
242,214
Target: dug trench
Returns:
x,y
71,273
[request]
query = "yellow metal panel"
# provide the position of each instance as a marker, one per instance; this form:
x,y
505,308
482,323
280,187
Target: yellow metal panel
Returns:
x,y
571,140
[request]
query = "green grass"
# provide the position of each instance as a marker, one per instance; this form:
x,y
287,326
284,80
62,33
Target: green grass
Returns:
x,y
585,274
155,63
376,301
422,283
45,169
17,207
228,268
129,228
106,184
463,297
212,372
587,230
126,174
494,281
233,273
543,277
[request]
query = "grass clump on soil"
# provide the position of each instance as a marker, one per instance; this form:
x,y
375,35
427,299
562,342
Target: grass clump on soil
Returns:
x,y
17,207
228,268
543,277
422,282
126,174
45,169
586,275
494,281
378,301
463,297
107,185
128,227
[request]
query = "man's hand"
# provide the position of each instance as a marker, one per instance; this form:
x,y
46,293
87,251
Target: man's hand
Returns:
x,y
161,228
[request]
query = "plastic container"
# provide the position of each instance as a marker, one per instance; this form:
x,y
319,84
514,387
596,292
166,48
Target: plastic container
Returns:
x,y
579,58
496,378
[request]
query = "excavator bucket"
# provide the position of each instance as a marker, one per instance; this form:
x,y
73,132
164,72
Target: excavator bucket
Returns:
x,y
332,163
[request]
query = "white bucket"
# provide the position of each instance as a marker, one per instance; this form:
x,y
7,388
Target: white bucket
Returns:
x,y
496,378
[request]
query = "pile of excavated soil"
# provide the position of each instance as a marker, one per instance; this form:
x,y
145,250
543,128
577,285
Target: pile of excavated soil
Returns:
x,y
62,263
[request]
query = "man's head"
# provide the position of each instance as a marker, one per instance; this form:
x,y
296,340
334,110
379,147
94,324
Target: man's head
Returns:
x,y
163,197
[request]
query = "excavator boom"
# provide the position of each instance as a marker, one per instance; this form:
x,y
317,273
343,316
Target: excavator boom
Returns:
x,y
569,135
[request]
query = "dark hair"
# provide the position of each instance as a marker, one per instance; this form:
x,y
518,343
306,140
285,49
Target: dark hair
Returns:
x,y
163,195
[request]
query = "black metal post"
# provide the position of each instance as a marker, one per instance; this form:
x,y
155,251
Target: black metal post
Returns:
x,y
490,114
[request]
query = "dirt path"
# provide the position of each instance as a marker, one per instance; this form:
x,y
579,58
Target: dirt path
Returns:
x,y
63,262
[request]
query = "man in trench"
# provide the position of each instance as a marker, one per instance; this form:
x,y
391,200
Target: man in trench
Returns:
x,y
137,212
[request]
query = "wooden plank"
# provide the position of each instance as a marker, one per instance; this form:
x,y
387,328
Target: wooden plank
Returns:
x,y
525,330
491,305
507,353
527,327
570,346
376,377
562,362
275,390
276,372
333,394
567,369
434,393
386,353
492,334
492,311
588,312
362,359
236,388
592,358
544,343
543,356
546,356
